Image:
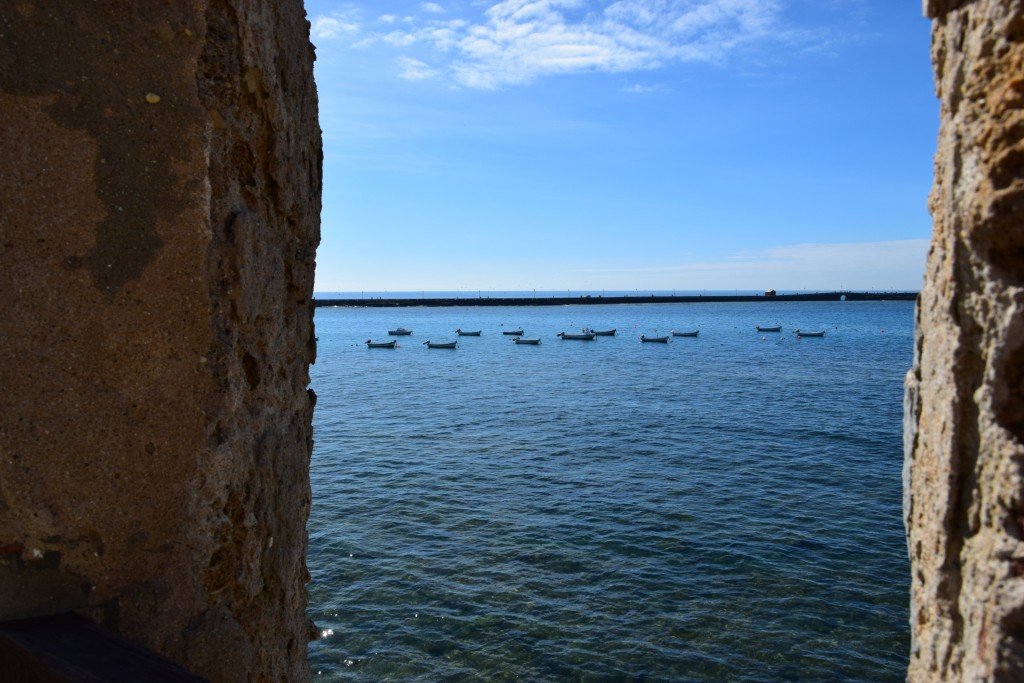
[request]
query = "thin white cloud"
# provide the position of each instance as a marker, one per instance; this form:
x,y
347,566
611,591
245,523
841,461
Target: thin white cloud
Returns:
x,y
415,70
861,256
897,264
518,41
338,25
398,38
640,89
387,18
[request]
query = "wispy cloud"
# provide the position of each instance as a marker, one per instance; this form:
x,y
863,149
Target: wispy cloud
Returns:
x,y
518,41
415,70
897,264
640,89
337,25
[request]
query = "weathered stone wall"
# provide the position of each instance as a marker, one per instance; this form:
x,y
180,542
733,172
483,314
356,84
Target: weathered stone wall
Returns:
x,y
159,214
964,500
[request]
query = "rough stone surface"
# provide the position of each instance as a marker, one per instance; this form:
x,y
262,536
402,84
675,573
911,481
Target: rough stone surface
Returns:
x,y
159,213
964,501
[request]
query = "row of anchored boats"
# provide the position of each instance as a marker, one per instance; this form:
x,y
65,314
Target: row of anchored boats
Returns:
x,y
587,334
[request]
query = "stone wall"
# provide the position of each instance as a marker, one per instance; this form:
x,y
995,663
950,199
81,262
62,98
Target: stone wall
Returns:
x,y
964,501
159,213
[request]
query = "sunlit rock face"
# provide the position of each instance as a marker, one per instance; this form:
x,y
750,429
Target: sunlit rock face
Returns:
x,y
964,500
159,214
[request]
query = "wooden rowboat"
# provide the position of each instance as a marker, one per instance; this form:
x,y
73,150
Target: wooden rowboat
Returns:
x,y
657,340
777,328
513,332
399,332
463,333
440,345
381,344
532,342
801,333
585,336
601,333
692,333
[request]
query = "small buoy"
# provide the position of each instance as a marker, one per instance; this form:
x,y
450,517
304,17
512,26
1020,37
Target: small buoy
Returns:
x,y
764,338
152,98
883,331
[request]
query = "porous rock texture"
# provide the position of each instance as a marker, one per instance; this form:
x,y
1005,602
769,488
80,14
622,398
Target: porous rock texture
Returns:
x,y
964,500
159,214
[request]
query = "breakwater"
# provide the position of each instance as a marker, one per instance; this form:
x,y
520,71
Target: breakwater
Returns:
x,y
588,299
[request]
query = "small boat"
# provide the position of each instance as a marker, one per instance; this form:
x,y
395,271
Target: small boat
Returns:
x,y
513,332
777,328
658,340
801,333
600,333
585,336
692,333
381,344
399,332
464,333
532,342
440,345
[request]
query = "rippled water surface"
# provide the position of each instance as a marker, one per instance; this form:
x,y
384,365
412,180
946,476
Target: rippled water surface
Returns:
x,y
724,508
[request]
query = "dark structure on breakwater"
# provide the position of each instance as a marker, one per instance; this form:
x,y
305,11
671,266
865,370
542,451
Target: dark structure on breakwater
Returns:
x,y
592,300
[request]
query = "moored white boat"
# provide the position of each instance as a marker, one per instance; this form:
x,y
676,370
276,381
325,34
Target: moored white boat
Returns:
x,y
657,340
532,342
762,328
691,333
801,333
370,344
399,332
584,336
441,345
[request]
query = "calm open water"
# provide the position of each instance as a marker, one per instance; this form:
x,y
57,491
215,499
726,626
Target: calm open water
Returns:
x,y
725,508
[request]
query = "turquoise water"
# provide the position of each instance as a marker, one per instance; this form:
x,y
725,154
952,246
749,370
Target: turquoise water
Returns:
x,y
725,508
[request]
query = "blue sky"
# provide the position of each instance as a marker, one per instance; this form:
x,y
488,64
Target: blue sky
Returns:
x,y
651,144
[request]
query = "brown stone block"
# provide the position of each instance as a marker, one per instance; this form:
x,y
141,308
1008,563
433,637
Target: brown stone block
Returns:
x,y
965,399
159,215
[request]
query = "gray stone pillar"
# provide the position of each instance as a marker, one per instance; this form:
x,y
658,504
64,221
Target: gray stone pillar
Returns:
x,y
964,501
159,214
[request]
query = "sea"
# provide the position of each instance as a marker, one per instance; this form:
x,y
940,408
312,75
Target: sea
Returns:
x,y
725,507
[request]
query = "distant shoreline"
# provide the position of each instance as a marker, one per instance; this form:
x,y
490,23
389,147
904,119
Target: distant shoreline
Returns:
x,y
590,300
